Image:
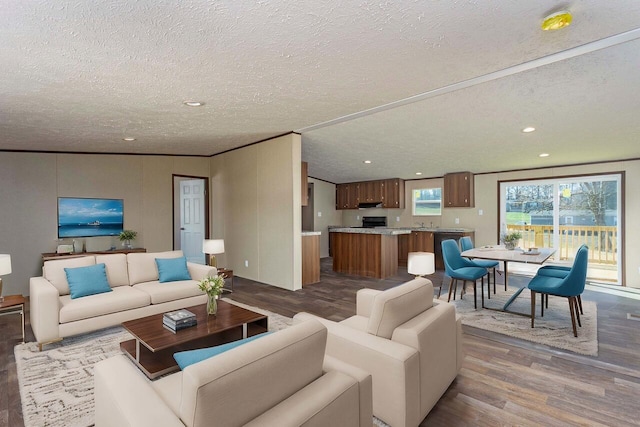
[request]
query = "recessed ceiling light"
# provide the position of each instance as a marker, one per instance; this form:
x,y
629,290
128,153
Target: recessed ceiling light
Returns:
x,y
543,155
418,173
528,129
367,162
128,139
193,103
557,20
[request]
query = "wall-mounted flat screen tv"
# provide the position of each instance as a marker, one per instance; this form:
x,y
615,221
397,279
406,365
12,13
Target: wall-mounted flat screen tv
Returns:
x,y
89,217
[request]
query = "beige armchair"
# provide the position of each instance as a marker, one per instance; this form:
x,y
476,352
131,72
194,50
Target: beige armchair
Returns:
x,y
283,379
411,345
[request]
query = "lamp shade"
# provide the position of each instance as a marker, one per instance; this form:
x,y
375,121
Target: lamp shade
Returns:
x,y
5,264
213,246
421,263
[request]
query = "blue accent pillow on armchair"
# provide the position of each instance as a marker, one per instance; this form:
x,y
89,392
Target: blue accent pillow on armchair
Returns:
x,y
172,269
85,281
186,358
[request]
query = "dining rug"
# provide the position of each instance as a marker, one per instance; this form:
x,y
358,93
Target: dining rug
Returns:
x,y
56,384
554,329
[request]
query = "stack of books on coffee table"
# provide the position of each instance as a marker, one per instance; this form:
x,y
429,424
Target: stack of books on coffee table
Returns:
x,y
179,319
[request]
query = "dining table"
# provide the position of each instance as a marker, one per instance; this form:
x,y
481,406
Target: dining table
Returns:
x,y
501,253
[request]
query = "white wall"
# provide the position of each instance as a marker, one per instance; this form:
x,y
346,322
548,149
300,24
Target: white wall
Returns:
x,y
325,213
32,183
255,207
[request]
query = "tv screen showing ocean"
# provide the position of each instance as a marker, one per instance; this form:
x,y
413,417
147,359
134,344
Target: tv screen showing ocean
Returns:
x,y
89,217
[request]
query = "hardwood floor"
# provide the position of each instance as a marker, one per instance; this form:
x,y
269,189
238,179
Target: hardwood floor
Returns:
x,y
503,382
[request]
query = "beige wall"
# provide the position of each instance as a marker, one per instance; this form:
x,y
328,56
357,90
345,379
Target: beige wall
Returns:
x,y
324,212
255,207
32,183
486,199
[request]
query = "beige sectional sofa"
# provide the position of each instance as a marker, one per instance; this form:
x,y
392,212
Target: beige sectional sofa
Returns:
x,y
411,345
136,292
283,379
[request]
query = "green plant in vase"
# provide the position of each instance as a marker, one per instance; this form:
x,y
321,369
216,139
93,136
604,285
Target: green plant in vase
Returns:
x,y
510,240
212,286
127,236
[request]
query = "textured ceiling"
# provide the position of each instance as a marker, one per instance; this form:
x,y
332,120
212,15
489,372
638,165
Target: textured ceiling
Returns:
x,y
80,76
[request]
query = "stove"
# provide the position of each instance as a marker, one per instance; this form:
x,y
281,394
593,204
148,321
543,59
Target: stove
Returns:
x,y
374,221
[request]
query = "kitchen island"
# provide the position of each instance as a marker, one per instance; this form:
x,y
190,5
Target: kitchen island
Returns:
x,y
369,252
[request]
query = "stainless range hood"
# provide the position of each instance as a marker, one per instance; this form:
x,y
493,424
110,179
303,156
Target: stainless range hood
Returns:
x,y
369,205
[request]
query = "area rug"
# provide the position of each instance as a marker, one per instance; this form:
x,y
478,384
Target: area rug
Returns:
x,y
554,329
56,385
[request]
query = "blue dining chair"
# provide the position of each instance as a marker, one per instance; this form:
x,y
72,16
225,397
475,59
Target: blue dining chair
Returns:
x,y
561,272
465,244
571,286
459,268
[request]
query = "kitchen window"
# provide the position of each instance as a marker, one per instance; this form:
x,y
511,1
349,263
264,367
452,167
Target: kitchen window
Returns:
x,y
427,202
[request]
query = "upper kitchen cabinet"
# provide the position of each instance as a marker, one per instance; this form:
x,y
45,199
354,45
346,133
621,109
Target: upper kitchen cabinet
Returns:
x,y
304,184
393,193
388,192
347,196
458,190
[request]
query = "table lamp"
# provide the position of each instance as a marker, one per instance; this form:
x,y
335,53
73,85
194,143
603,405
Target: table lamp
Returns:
x,y
5,268
212,247
421,263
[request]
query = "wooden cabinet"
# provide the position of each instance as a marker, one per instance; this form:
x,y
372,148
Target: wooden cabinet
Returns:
x,y
458,190
347,196
393,193
304,184
390,192
417,241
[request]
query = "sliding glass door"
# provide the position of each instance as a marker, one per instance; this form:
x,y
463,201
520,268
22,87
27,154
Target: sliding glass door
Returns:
x,y
564,213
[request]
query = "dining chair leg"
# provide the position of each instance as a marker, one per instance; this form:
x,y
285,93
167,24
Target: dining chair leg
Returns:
x,y
573,316
494,280
475,285
546,300
451,281
482,288
533,307
579,297
542,297
575,306
488,285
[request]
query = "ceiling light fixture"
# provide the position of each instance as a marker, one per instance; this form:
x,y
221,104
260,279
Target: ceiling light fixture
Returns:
x,y
128,139
557,20
418,173
367,162
193,103
543,155
528,129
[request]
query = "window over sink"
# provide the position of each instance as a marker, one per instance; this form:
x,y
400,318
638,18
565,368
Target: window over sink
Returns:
x,y
427,202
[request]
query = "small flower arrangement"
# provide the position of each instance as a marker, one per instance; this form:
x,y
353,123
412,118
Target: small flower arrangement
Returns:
x,y
126,235
511,239
212,285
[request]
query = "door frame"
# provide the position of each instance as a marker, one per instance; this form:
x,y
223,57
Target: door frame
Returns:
x,y
173,205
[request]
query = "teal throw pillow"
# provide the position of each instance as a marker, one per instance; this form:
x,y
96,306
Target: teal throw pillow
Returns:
x,y
172,269
186,358
85,281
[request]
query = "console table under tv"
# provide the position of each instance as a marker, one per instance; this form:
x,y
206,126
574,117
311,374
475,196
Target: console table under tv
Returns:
x,y
52,255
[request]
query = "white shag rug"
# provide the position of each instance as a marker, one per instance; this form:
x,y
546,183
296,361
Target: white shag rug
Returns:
x,y
554,329
56,385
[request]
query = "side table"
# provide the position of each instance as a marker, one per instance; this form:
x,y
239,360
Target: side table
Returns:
x,y
228,274
13,304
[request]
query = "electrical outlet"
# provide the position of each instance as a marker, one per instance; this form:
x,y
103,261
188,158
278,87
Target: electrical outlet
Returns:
x,y
397,219
457,221
319,214
246,263
480,212
357,216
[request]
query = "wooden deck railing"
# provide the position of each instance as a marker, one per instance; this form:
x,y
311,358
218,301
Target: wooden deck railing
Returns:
x,y
602,240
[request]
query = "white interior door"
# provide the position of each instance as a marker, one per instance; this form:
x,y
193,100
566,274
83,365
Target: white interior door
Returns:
x,y
192,219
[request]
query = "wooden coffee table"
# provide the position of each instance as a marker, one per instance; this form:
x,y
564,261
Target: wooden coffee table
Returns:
x,y
153,346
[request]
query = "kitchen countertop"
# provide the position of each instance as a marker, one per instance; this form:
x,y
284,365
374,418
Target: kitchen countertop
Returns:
x,y
398,230
311,233
377,230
